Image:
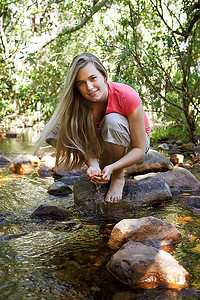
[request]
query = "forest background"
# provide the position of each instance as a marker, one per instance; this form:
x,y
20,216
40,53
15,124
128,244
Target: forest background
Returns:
x,y
152,45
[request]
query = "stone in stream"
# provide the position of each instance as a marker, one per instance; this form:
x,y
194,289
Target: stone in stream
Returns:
x,y
47,165
22,165
59,188
146,267
153,161
135,193
51,212
178,179
149,230
5,160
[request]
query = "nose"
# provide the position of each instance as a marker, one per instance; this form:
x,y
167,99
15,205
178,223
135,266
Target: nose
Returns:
x,y
89,85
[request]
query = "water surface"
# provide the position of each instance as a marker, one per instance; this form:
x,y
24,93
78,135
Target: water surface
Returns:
x,y
67,259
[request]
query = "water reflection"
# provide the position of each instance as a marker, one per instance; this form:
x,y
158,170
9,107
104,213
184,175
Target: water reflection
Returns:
x,y
67,260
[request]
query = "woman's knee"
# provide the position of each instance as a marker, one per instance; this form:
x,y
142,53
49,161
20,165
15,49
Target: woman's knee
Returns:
x,y
115,129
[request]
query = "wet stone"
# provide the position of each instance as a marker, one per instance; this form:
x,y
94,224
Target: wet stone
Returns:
x,y
69,179
59,188
135,194
148,230
153,161
5,160
51,212
146,267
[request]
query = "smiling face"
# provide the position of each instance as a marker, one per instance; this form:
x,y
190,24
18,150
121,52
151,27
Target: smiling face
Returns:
x,y
92,84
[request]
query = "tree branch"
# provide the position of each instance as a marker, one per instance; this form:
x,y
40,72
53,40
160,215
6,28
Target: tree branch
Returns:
x,y
81,23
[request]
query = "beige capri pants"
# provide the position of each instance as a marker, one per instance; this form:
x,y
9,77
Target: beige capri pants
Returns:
x,y
114,128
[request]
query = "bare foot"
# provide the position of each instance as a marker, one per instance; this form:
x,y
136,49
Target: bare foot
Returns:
x,y
114,194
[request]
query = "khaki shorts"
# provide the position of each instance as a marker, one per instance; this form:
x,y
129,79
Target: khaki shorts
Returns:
x,y
114,129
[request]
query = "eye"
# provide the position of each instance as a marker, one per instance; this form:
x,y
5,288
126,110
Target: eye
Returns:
x,y
93,78
80,83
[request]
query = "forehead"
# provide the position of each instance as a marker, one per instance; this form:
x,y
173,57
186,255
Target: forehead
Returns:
x,y
87,71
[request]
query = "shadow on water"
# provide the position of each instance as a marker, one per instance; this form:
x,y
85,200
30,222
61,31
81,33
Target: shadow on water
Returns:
x,y
67,259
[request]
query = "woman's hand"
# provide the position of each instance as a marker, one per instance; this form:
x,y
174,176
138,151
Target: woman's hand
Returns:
x,y
94,174
106,173
93,171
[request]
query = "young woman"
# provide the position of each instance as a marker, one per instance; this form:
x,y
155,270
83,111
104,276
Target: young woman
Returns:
x,y
99,123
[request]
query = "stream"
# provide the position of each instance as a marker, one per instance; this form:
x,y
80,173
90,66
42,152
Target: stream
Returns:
x,y
67,259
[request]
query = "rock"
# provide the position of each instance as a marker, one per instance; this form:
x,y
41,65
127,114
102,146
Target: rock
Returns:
x,y
22,165
146,267
69,179
59,188
146,192
136,193
70,272
22,159
197,150
45,171
189,200
48,160
26,159
2,135
51,212
187,147
152,162
149,230
5,160
11,134
64,175
164,146
176,158
34,159
178,179
47,165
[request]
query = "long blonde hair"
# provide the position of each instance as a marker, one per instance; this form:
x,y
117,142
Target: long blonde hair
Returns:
x,y
78,135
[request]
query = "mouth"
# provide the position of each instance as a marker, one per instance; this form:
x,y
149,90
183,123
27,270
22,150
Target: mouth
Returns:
x,y
93,93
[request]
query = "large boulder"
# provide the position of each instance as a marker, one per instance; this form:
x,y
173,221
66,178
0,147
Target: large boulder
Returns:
x,y
143,266
153,161
149,230
179,179
135,193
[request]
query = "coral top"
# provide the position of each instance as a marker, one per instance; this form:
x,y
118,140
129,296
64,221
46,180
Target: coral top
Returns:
x,y
123,99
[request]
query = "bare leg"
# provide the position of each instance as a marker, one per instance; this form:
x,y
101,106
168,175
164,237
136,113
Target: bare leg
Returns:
x,y
114,153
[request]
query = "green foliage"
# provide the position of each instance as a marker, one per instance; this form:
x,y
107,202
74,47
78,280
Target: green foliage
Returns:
x,y
169,132
151,45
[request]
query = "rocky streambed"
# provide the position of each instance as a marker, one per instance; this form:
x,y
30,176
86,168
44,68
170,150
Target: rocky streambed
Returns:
x,y
64,242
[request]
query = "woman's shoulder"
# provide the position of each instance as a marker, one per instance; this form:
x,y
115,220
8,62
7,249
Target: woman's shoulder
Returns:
x,y
121,88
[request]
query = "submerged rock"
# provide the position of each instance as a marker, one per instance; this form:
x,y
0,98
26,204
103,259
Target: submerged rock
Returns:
x,y
51,212
146,267
153,161
136,193
148,230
